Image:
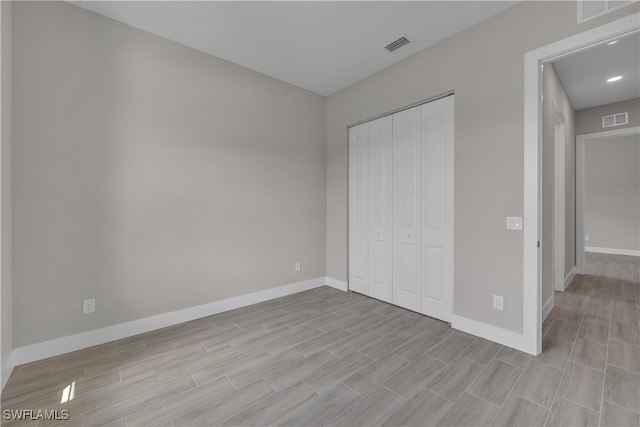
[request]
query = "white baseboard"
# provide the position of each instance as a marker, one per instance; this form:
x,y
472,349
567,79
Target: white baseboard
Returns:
x,y
547,307
335,283
491,333
569,278
612,251
7,369
57,346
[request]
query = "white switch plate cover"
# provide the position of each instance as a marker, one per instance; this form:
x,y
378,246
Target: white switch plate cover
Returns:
x,y
586,238
514,223
297,266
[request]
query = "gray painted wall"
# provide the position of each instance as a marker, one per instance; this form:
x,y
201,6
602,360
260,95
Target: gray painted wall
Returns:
x,y
151,176
590,120
6,307
484,65
612,192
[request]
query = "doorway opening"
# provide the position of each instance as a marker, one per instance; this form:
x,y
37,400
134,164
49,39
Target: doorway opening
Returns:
x,y
533,62
581,149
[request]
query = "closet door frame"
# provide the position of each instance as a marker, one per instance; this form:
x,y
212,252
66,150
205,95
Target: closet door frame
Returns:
x,y
357,279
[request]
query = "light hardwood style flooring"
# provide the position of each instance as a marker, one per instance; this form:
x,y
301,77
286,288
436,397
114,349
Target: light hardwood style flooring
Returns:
x,y
325,357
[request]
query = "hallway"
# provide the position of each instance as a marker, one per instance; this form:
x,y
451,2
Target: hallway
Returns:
x,y
593,335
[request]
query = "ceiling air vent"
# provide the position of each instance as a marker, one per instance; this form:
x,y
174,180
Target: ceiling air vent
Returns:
x,y
615,120
397,44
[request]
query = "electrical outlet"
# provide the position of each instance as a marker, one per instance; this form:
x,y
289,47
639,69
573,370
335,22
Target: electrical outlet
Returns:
x,y
297,266
88,306
498,302
586,238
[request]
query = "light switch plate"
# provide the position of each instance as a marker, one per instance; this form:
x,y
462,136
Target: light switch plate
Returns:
x,y
514,223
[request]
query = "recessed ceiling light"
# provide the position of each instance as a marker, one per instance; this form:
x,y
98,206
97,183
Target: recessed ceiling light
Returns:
x,y
613,42
614,79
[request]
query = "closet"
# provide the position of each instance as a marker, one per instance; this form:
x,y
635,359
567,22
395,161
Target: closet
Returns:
x,y
401,208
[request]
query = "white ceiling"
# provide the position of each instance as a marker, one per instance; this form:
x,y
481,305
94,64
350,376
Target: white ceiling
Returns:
x,y
584,75
322,46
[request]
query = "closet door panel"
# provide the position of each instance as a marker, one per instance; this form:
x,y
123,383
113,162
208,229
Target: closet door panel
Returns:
x,y
381,227
359,209
432,268
406,213
437,208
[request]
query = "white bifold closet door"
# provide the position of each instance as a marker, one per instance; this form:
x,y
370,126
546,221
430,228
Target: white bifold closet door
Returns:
x,y
401,208
406,209
370,209
436,195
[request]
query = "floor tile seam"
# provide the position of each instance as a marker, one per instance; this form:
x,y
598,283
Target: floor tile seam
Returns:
x,y
445,398
509,363
586,366
629,371
364,355
484,400
604,376
267,350
398,409
196,382
508,394
440,360
499,360
488,363
620,406
624,324
505,399
244,407
625,342
358,394
226,377
515,393
406,360
309,385
580,404
512,386
624,299
399,395
347,408
555,395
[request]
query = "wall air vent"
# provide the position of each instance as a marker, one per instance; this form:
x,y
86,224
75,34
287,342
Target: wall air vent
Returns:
x,y
397,44
615,120
589,9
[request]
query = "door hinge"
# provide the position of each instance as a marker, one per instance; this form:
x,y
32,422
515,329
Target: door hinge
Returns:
x,y
538,243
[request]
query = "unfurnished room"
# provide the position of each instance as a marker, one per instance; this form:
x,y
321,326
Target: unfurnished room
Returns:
x,y
310,213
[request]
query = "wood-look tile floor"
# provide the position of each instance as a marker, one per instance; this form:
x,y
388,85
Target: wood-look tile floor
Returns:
x,y
324,357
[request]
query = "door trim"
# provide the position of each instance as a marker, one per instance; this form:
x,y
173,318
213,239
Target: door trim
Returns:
x,y
559,238
406,107
580,185
531,338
